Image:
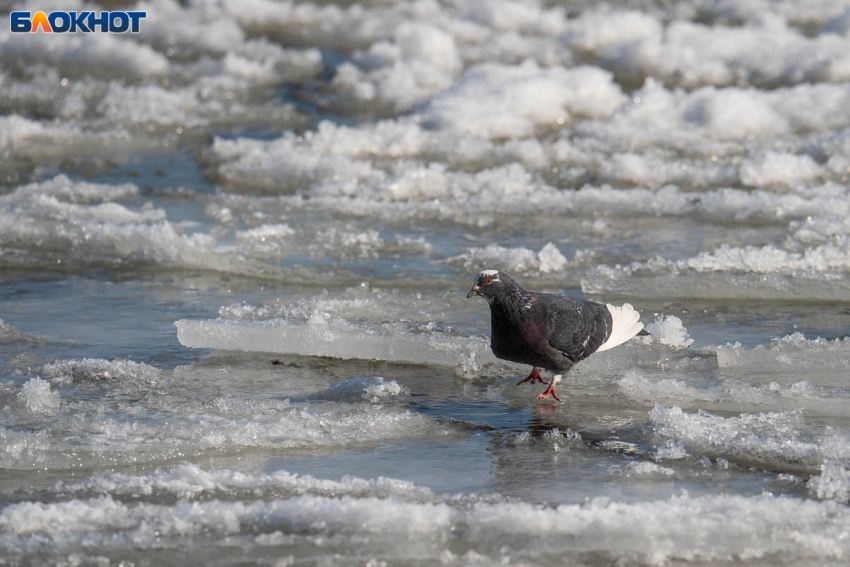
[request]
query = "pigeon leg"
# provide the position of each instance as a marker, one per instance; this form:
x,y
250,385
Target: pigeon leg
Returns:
x,y
533,377
551,389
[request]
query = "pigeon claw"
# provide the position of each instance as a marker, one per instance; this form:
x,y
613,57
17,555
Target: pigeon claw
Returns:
x,y
546,394
551,389
533,377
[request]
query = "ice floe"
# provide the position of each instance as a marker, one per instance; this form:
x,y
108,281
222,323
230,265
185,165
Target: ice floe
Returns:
x,y
825,362
647,533
771,440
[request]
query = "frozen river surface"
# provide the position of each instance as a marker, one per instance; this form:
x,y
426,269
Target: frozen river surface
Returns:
x,y
235,250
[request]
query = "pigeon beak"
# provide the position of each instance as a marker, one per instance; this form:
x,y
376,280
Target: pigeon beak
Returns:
x,y
473,291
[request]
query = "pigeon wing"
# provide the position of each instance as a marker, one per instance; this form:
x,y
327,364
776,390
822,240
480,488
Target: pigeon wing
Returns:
x,y
577,327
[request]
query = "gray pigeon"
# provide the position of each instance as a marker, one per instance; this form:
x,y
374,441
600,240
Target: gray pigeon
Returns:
x,y
550,331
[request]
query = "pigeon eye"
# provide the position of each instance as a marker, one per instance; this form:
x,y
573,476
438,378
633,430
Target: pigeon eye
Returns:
x,y
489,281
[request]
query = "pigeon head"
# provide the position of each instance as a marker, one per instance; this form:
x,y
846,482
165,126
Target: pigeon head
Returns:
x,y
492,285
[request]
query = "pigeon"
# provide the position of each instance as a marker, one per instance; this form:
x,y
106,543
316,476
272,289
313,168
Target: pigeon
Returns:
x,y
550,331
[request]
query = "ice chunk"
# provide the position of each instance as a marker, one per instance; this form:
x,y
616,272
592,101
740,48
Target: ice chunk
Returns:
x,y
784,169
643,468
322,336
86,54
173,427
689,54
67,372
819,272
421,61
833,482
190,481
38,396
772,440
735,395
499,101
333,517
374,390
514,260
668,330
824,361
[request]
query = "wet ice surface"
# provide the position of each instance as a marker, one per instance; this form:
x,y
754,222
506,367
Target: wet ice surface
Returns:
x,y
235,258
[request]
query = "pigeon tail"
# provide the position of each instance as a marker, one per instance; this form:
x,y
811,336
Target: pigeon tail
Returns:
x,y
625,324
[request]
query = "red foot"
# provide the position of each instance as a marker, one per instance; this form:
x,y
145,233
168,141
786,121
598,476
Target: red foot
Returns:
x,y
549,390
533,377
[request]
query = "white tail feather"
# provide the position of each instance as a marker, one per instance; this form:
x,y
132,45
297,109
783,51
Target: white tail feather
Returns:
x,y
625,324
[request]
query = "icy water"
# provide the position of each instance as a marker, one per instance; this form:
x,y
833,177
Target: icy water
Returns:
x,y
235,250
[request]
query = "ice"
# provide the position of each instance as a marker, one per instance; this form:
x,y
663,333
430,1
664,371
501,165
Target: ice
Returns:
x,y
321,335
668,330
328,175
733,394
771,440
711,121
374,390
326,162
514,260
524,17
833,482
769,53
818,230
81,192
421,61
266,232
38,397
648,468
83,54
329,516
523,98
789,270
162,426
191,481
78,223
826,362
108,230
68,372
775,168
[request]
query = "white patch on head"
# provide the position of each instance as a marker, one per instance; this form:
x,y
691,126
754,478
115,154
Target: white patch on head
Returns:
x,y
493,274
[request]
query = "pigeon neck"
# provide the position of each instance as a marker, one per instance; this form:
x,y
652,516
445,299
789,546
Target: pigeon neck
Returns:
x,y
509,302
